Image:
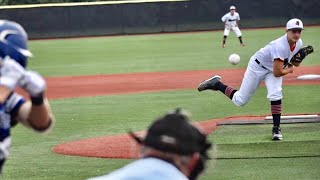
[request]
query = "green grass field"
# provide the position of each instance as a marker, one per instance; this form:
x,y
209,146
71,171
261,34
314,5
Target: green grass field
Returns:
x,y
239,155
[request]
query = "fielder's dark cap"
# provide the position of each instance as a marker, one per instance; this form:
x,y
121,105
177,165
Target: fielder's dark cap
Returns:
x,y
175,134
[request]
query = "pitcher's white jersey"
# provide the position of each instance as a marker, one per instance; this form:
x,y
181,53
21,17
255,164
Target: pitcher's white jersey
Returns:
x,y
231,20
278,48
260,67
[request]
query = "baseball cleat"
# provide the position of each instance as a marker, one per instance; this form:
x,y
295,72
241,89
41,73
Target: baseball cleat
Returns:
x,y
242,45
276,134
209,84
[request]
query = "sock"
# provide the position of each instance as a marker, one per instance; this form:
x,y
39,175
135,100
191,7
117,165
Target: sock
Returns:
x,y
224,39
227,90
240,39
276,112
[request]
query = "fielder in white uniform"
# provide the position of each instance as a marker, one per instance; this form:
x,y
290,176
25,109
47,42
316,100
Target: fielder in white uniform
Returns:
x,y
173,149
268,65
231,23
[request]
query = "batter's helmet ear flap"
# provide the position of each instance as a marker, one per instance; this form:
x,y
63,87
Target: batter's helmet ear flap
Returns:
x,y
13,42
13,54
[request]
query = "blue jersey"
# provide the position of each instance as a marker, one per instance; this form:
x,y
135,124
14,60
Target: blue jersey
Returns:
x,y
145,169
7,112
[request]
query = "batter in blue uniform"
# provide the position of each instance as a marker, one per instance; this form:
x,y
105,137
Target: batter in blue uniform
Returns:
x,y
34,113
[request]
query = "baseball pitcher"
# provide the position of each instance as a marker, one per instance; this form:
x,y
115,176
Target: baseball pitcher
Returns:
x,y
270,64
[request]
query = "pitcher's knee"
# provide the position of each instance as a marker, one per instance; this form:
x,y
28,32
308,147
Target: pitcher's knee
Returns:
x,y
274,97
240,101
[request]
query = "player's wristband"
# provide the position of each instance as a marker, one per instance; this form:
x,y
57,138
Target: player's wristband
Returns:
x,y
37,101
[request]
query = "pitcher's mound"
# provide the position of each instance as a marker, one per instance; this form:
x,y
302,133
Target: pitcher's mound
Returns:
x,y
123,146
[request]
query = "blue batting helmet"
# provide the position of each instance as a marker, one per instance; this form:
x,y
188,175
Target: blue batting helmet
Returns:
x,y
13,42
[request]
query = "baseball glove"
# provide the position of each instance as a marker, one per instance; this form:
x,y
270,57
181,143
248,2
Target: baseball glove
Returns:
x,y
300,55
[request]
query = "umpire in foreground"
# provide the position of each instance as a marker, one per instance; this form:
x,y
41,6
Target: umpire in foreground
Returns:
x,y
173,149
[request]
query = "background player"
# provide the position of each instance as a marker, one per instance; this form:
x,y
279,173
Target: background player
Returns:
x,y
34,113
231,23
267,64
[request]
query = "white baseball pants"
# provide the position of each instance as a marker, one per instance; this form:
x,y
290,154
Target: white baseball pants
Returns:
x,y
236,30
253,76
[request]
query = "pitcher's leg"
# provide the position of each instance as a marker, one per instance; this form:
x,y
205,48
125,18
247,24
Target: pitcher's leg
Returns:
x,y
276,108
274,87
214,83
249,85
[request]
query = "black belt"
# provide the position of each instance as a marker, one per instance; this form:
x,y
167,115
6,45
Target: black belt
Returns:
x,y
260,64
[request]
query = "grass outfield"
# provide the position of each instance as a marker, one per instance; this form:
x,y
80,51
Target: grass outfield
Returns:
x,y
78,118
149,53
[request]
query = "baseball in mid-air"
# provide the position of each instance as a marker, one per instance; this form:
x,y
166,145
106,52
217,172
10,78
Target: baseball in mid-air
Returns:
x,y
234,59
